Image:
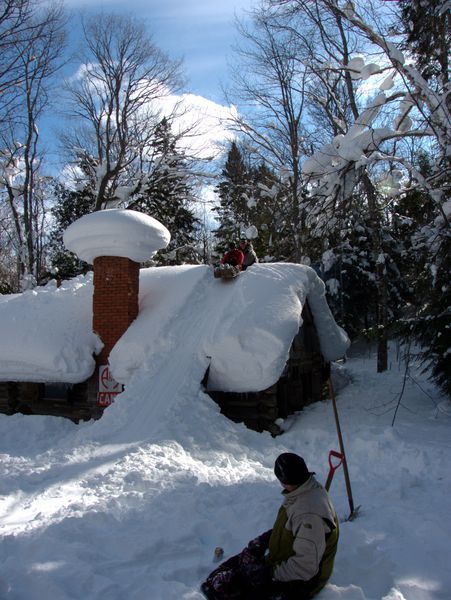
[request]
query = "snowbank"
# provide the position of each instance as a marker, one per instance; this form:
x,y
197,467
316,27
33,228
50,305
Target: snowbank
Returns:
x,y
133,508
246,327
47,333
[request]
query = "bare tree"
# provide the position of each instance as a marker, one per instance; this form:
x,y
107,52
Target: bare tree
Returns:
x,y
415,98
15,24
333,105
37,47
375,132
269,80
114,98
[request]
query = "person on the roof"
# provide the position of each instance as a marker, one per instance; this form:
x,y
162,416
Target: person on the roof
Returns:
x,y
250,256
294,559
233,256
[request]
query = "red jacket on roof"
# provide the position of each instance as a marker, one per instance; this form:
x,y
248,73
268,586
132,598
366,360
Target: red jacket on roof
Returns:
x,y
233,257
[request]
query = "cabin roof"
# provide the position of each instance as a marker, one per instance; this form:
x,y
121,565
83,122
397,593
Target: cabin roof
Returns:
x,y
244,328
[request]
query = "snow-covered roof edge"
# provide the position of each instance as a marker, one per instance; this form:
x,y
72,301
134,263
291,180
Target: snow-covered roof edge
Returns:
x,y
333,339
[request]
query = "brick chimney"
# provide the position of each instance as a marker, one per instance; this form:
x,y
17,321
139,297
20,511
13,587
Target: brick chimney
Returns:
x,y
115,300
115,241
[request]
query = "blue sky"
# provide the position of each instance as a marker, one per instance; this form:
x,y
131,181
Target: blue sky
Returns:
x,y
199,31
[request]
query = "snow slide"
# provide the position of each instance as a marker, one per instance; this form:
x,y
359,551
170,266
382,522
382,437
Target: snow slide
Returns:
x,y
242,330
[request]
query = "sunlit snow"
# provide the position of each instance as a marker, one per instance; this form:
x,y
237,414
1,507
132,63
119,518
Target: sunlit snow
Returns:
x,y
251,322
132,506
116,232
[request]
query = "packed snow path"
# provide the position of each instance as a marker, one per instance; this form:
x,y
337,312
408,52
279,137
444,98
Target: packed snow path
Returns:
x,y
175,367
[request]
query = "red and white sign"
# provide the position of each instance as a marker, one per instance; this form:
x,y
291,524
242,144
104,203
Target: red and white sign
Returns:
x,y
108,387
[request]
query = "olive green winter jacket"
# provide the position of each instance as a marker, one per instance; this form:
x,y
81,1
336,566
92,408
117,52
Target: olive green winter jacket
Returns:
x,y
304,538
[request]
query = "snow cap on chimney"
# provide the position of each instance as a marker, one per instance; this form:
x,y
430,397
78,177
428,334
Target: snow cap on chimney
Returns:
x,y
116,232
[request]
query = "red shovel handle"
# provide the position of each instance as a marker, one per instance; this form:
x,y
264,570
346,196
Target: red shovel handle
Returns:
x,y
333,467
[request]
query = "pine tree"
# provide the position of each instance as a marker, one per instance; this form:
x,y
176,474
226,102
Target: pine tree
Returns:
x,y
430,325
349,271
428,35
255,196
427,267
233,210
165,193
269,214
70,205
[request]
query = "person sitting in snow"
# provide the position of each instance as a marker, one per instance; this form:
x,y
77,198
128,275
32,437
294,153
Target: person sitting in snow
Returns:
x,y
233,257
294,559
250,256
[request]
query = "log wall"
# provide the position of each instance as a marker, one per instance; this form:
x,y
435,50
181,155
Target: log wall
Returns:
x,y
75,402
302,382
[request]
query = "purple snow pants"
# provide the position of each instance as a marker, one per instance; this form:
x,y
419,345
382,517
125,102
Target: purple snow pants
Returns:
x,y
246,576
238,578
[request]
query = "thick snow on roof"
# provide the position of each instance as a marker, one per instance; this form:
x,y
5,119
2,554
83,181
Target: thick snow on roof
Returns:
x,y
246,326
116,232
242,328
47,333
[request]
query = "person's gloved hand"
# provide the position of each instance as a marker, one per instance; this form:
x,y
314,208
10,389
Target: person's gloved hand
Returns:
x,y
255,547
259,545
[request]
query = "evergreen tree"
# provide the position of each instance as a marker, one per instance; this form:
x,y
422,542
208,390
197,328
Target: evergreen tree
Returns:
x,y
165,193
70,205
428,319
269,214
427,30
427,267
255,196
428,35
431,326
233,209
349,272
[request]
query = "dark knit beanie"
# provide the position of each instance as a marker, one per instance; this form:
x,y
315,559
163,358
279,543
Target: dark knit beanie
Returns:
x,y
291,469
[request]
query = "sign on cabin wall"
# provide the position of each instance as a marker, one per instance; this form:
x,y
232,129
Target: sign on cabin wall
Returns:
x,y
108,387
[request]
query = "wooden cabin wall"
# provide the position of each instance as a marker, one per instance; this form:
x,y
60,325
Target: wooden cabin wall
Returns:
x,y
75,402
306,372
258,410
302,382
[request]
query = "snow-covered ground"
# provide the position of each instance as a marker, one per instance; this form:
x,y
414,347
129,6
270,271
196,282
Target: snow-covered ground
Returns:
x,y
132,506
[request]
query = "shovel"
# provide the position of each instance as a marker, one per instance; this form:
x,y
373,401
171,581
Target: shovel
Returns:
x,y
354,511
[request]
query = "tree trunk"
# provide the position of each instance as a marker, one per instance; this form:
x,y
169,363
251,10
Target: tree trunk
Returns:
x,y
381,284
382,318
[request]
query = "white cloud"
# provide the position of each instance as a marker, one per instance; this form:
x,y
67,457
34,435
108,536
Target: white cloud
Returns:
x,y
202,123
205,120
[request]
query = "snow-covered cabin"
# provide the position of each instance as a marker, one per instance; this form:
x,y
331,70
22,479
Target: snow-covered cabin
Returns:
x,y
260,345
